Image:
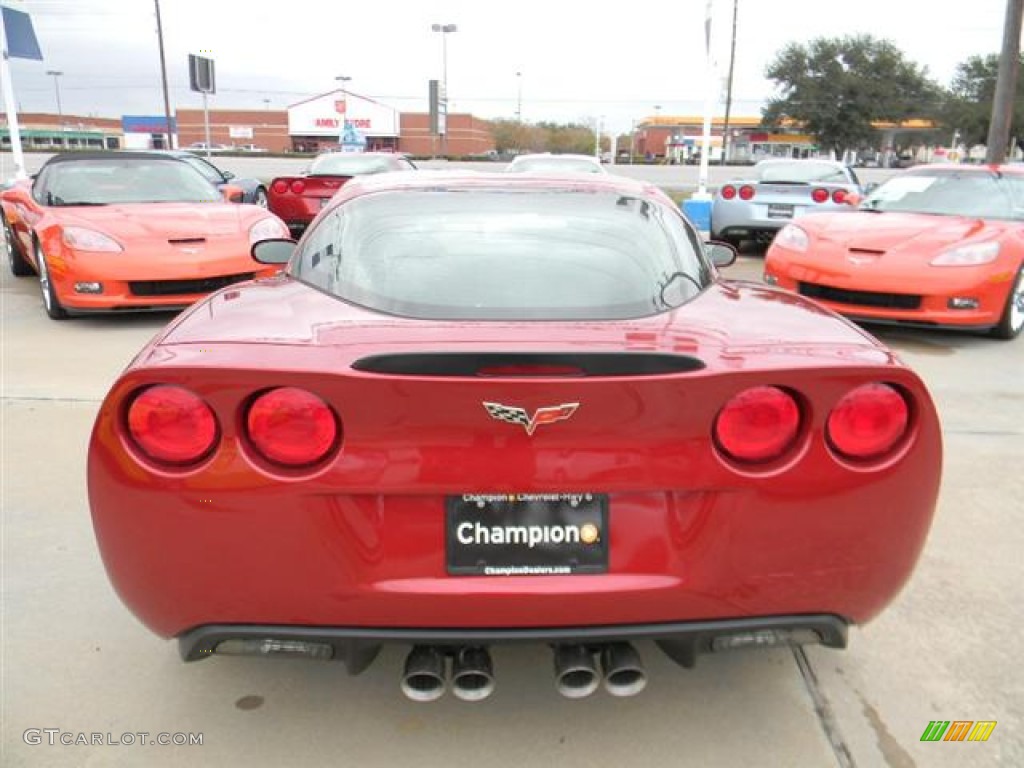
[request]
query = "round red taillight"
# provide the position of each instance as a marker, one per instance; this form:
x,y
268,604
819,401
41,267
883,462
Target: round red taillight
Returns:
x,y
868,422
728,192
279,187
172,425
758,425
839,196
819,195
298,186
291,427
746,192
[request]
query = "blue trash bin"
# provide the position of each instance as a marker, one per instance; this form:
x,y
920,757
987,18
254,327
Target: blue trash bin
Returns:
x,y
698,212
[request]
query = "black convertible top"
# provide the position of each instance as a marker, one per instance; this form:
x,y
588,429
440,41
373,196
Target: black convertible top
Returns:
x,y
65,157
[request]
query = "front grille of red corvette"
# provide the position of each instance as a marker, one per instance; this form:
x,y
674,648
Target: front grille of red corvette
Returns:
x,y
861,298
184,287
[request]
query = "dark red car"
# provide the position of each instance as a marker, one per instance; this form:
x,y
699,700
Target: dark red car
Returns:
x,y
490,408
298,199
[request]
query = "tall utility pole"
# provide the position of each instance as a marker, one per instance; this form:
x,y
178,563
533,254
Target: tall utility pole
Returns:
x,y
1006,84
728,87
163,77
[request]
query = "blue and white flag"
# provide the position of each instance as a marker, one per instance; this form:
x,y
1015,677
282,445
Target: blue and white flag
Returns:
x,y
21,37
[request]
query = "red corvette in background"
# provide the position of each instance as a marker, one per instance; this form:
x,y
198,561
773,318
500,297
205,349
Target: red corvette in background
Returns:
x,y
935,247
494,408
298,199
116,231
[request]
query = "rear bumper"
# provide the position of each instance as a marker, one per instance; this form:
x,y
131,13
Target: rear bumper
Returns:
x,y
357,647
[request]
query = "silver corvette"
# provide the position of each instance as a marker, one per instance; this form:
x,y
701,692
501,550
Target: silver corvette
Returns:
x,y
777,191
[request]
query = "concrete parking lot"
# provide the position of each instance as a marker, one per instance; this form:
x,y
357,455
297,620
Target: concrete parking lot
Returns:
x,y
76,662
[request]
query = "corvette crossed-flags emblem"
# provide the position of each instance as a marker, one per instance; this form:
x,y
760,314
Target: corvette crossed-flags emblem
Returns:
x,y
547,415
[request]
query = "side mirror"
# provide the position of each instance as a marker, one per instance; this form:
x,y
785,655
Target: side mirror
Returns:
x,y
228,175
721,254
278,251
232,194
853,199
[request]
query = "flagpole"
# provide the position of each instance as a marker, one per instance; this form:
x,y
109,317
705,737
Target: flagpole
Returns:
x,y
709,87
11,106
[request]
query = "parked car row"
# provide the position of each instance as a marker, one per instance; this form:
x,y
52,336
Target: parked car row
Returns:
x,y
597,391
939,246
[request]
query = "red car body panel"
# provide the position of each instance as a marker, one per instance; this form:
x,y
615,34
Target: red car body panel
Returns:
x,y
298,209
360,540
298,199
890,254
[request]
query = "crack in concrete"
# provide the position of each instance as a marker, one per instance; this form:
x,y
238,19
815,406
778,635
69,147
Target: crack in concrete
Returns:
x,y
892,751
826,717
41,399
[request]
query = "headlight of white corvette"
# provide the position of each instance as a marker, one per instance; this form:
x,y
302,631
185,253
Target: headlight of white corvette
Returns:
x,y
792,238
267,229
82,239
968,255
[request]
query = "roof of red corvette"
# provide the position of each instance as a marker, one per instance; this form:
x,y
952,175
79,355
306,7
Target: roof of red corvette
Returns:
x,y
459,179
1015,168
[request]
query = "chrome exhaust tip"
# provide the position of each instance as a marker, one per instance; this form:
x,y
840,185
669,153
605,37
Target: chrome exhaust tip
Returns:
x,y
624,673
575,671
472,674
424,678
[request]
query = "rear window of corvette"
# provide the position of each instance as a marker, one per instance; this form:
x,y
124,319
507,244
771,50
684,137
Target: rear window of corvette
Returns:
x,y
485,254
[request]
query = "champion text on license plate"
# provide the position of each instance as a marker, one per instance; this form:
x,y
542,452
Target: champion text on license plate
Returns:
x,y
527,534
780,211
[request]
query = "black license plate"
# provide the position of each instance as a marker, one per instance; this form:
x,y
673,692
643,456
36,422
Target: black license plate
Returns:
x,y
780,211
527,534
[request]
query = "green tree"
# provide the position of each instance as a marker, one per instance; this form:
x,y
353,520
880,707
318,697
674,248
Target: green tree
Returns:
x,y
570,138
968,107
516,136
834,88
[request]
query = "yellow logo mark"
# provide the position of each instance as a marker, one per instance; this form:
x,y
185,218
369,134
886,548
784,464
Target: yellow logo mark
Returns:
x,y
982,730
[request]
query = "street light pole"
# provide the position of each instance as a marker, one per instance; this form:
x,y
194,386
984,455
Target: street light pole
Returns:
x,y
56,86
519,97
444,29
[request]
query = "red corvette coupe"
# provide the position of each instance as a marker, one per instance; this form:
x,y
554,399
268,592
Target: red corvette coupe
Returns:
x,y
110,231
298,199
938,247
490,408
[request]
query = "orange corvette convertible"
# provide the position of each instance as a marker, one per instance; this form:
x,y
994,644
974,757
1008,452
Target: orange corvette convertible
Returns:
x,y
129,231
937,246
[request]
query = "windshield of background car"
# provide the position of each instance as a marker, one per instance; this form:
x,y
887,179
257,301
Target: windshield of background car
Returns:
x,y
113,180
800,172
349,164
485,254
957,193
568,165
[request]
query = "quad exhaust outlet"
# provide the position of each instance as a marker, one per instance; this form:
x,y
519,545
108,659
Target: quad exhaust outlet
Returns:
x,y
577,671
